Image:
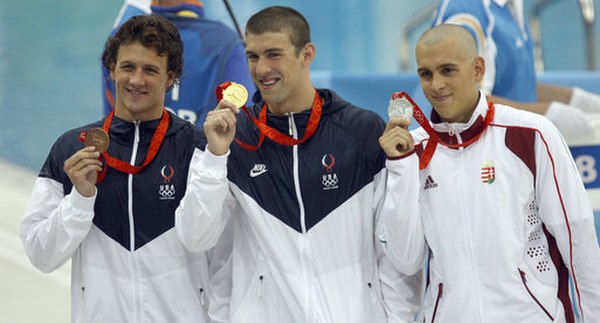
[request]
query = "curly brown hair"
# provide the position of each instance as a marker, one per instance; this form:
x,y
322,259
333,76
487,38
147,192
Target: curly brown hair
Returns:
x,y
152,31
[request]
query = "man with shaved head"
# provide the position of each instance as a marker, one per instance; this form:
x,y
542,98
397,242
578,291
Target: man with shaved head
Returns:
x,y
503,216
503,39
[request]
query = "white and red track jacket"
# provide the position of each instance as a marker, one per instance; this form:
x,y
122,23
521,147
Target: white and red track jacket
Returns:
x,y
506,220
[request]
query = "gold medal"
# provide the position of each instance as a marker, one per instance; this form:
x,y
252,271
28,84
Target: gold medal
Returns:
x,y
236,94
98,138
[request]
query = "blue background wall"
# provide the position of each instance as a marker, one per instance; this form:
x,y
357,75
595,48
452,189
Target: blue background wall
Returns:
x,y
49,55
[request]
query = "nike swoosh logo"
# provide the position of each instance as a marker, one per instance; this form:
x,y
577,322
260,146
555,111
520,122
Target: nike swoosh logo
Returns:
x,y
254,173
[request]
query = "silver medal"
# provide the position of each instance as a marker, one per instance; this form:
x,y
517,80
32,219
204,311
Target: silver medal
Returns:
x,y
400,108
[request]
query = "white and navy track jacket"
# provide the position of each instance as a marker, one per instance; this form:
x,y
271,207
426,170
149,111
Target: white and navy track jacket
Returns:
x,y
127,263
303,218
506,220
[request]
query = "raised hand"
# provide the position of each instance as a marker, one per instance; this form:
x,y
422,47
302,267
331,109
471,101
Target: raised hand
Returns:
x,y
82,168
219,127
396,139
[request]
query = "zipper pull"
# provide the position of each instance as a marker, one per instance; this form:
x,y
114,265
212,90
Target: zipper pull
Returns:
x,y
452,132
201,296
291,124
137,131
260,285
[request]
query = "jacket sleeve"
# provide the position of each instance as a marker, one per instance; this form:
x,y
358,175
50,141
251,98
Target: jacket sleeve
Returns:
x,y
203,212
402,294
399,239
54,225
565,209
399,228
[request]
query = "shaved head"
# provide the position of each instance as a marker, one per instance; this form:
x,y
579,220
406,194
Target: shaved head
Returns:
x,y
458,34
450,70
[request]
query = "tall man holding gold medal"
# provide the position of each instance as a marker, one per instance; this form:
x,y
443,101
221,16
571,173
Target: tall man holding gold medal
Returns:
x,y
301,186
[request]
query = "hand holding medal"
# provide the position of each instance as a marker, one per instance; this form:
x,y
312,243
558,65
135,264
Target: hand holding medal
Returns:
x,y
236,94
98,138
220,123
398,108
396,141
83,166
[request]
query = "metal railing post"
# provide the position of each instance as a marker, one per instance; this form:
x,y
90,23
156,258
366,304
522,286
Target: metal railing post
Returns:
x,y
588,13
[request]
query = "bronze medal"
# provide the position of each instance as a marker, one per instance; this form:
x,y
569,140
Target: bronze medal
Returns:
x,y
236,94
98,138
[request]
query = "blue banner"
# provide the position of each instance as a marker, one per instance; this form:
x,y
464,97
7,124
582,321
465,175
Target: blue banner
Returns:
x,y
587,159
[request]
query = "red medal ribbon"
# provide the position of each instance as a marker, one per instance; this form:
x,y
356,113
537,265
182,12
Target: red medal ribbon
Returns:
x,y
262,118
157,139
434,138
274,134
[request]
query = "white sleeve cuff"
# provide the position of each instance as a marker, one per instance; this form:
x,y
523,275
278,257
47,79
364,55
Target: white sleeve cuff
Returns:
x,y
80,202
212,165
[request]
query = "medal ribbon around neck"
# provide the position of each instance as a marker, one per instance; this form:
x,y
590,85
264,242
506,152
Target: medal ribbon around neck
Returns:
x,y
274,134
434,138
124,167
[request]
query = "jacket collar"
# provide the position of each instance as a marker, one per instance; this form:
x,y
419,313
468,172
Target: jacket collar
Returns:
x,y
331,102
448,131
124,130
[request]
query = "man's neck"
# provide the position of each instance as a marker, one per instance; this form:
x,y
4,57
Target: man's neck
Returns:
x,y
295,103
145,116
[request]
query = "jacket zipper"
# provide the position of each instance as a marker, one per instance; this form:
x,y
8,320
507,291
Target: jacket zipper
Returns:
x,y
533,296
437,301
135,266
293,131
304,243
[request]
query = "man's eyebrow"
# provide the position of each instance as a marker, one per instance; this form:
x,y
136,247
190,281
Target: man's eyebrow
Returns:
x,y
447,65
270,50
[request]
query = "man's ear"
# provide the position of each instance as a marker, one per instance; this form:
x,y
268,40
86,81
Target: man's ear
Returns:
x,y
170,79
111,71
307,54
479,68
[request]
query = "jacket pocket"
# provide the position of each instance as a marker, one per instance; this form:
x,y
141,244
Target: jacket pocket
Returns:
x,y
253,305
373,293
259,288
376,311
535,299
201,296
